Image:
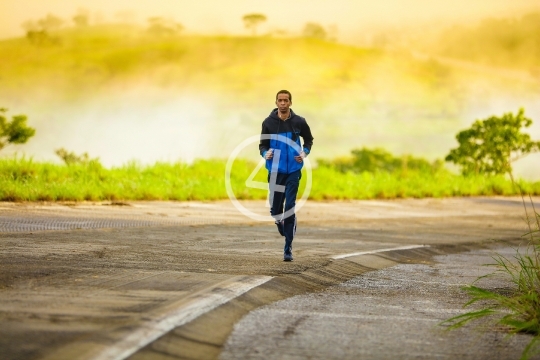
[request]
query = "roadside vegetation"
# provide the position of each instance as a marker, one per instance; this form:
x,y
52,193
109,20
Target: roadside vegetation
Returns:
x,y
489,147
485,154
516,309
22,179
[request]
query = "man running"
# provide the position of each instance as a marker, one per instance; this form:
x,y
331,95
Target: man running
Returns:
x,y
280,146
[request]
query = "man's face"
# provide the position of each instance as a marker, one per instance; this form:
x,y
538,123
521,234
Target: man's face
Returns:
x,y
283,103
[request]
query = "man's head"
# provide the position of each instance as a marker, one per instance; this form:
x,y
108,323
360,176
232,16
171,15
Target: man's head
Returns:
x,y
283,100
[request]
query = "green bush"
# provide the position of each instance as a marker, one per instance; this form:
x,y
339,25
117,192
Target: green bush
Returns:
x,y
490,146
380,160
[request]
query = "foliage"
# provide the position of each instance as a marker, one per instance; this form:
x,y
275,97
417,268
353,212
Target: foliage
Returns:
x,y
159,26
518,311
490,146
50,23
15,131
38,32
380,160
252,21
314,31
82,18
71,158
22,179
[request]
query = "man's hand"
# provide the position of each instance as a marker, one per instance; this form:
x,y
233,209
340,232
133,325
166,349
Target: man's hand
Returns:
x,y
269,154
300,157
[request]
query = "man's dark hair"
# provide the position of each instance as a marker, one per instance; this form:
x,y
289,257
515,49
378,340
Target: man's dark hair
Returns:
x,y
284,92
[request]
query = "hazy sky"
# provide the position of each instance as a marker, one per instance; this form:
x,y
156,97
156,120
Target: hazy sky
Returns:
x,y
225,16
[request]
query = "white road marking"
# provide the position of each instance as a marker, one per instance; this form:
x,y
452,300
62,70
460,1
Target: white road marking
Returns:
x,y
152,328
407,247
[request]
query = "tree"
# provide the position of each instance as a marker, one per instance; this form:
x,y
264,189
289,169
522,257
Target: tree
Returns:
x,y
50,23
314,31
491,146
38,32
160,26
15,131
82,18
252,21
380,160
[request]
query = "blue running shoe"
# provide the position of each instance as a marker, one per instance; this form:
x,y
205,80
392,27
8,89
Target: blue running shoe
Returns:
x,y
287,256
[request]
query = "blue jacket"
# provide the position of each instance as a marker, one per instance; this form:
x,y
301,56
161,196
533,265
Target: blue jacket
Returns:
x,y
293,128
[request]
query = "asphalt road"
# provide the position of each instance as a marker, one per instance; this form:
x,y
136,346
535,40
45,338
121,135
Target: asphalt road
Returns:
x,y
164,280
393,313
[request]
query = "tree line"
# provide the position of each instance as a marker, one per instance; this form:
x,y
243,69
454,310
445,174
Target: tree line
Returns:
x,y
42,30
490,146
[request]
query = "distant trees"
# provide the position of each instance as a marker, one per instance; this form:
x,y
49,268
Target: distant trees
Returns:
x,y
314,31
50,23
380,160
252,21
39,32
160,26
15,131
490,146
82,18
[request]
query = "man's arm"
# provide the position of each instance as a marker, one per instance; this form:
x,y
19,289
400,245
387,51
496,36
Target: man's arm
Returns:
x,y
264,144
305,133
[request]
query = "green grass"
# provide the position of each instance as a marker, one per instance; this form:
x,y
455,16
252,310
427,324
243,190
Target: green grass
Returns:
x,y
22,179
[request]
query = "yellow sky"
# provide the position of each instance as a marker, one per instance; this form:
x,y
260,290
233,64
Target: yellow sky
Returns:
x,y
206,16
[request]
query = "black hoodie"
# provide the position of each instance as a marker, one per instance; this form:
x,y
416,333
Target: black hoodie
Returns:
x,y
288,144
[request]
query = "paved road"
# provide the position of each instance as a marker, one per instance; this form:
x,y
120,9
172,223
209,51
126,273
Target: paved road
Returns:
x,y
393,313
171,280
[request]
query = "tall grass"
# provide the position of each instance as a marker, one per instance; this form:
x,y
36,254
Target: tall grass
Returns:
x,y
22,179
518,310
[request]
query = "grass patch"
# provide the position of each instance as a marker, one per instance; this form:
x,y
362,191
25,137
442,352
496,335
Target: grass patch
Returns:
x,y
22,179
517,310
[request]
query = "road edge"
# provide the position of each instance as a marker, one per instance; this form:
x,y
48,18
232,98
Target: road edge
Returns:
x,y
205,336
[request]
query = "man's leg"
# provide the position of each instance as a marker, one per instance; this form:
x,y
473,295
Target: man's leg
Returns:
x,y
277,200
292,183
